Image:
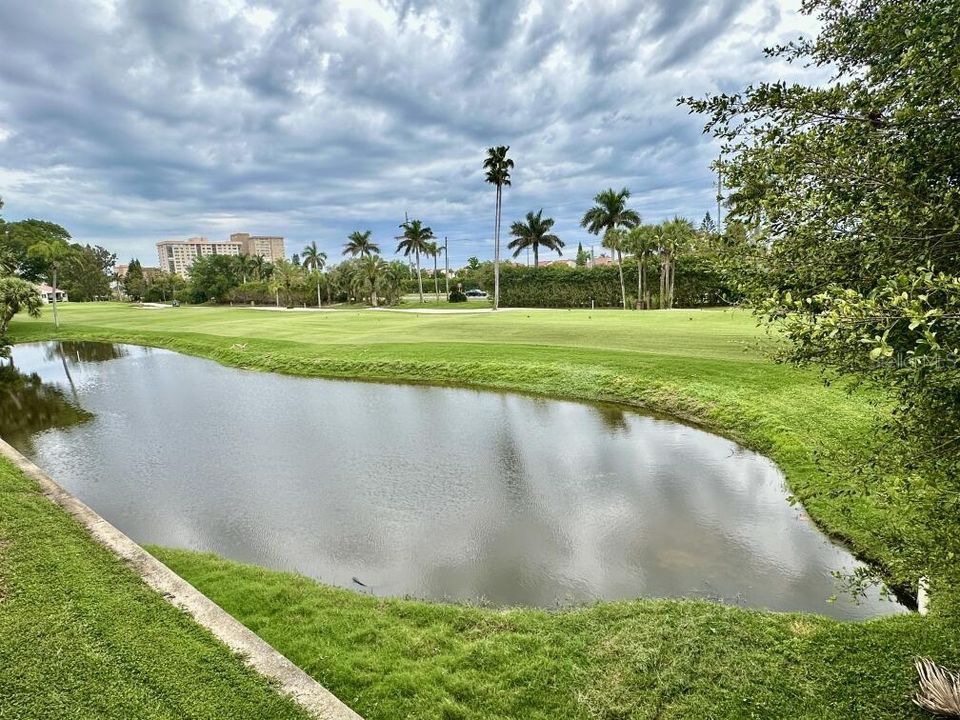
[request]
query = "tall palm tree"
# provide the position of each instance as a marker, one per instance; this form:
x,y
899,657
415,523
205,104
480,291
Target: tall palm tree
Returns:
x,y
54,253
315,260
535,232
498,167
643,241
416,241
610,212
434,250
359,244
608,215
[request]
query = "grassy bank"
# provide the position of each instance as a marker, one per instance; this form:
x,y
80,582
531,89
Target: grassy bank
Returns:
x,y
82,637
392,659
643,659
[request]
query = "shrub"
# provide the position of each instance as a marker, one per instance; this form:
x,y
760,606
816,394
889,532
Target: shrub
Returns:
x,y
699,283
457,297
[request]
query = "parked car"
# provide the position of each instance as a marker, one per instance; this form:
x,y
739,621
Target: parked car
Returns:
x,y
476,293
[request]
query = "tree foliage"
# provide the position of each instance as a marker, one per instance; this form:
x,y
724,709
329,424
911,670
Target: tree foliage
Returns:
x,y
534,233
212,277
360,244
416,240
852,188
16,295
86,274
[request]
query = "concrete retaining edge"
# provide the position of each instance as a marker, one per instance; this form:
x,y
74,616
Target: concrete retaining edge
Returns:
x,y
256,653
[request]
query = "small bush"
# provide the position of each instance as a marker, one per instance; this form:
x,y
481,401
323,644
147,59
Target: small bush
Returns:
x,y
457,297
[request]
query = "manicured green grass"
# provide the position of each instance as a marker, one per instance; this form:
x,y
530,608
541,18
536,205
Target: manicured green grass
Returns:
x,y
430,303
82,637
640,659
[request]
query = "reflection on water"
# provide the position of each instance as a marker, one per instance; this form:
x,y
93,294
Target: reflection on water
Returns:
x,y
29,406
72,351
430,492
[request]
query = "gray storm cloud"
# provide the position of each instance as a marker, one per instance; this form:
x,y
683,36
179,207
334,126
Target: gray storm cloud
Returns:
x,y
129,122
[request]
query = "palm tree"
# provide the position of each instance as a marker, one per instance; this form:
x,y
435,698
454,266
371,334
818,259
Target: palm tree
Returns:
x,y
675,237
370,270
498,167
610,212
534,233
614,240
244,266
608,215
8,261
314,260
260,267
359,244
285,277
643,241
54,253
434,250
416,240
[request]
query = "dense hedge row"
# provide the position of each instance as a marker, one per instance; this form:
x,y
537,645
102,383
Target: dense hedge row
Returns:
x,y
261,293
699,283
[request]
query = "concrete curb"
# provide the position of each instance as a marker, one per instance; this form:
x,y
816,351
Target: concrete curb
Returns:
x,y
256,653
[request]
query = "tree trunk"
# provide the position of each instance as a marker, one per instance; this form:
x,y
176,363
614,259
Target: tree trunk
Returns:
x,y
663,282
536,256
56,318
496,256
647,295
436,280
671,282
319,304
446,268
641,271
623,289
419,278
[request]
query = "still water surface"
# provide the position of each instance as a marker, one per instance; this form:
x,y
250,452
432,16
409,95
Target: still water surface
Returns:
x,y
437,493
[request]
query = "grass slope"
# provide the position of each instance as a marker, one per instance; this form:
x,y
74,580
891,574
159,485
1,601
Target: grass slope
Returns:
x,y
82,637
392,658
642,659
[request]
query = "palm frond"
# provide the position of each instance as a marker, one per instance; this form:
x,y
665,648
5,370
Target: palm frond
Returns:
x,y
939,691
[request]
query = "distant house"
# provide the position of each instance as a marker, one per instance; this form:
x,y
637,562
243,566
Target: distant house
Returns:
x,y
46,293
148,272
561,261
602,260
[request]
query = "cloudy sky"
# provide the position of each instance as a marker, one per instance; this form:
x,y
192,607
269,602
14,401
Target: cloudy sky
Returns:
x,y
133,121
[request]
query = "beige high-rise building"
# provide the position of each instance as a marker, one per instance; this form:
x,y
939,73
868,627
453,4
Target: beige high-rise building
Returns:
x,y
270,246
176,256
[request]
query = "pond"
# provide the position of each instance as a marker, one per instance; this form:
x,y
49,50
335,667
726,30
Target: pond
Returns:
x,y
435,493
